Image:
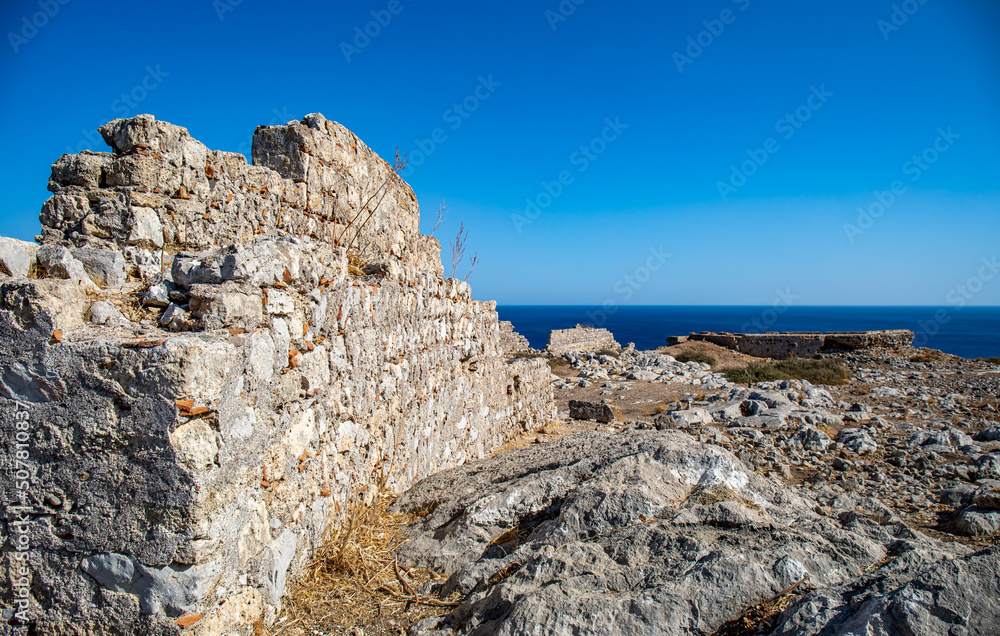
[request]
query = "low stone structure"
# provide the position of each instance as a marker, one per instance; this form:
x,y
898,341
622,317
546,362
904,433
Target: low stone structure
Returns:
x,y
207,364
780,346
581,338
513,342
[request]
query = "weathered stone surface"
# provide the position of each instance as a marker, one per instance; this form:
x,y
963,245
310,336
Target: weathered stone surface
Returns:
x,y
628,533
16,257
59,262
780,346
196,458
105,267
592,411
909,596
102,312
581,339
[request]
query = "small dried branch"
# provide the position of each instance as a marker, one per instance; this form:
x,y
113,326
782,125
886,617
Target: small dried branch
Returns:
x,y
441,216
458,248
400,163
472,266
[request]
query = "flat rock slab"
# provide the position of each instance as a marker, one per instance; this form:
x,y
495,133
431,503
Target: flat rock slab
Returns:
x,y
592,411
643,532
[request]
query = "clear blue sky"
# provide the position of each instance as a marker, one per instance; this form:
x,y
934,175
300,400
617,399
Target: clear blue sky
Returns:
x,y
865,98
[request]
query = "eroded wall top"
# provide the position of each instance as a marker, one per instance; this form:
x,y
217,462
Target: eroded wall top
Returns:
x,y
162,191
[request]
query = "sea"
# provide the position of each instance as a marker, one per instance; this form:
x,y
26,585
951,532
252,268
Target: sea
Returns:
x,y
969,332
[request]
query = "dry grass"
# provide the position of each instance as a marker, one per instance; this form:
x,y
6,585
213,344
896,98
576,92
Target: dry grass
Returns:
x,y
761,618
355,263
822,371
555,363
356,581
660,408
696,356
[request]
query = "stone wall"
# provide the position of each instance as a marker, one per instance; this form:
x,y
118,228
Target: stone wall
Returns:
x,y
581,338
193,440
513,342
779,346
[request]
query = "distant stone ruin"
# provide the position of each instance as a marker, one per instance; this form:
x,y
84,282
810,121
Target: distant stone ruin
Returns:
x,y
207,364
780,346
581,338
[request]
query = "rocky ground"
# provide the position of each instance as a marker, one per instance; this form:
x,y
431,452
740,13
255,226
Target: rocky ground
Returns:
x,y
668,500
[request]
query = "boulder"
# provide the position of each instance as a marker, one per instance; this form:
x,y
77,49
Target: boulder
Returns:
x,y
16,257
105,267
579,410
59,262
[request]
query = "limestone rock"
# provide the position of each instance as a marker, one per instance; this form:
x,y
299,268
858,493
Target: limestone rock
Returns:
x,y
101,313
59,262
105,267
910,596
592,411
604,533
16,257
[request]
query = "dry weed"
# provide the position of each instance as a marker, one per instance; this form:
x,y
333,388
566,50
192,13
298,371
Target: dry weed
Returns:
x,y
356,581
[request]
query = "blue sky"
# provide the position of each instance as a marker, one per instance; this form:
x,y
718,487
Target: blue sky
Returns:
x,y
710,153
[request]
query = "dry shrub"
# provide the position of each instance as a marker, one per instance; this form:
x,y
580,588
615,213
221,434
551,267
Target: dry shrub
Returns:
x,y
355,580
762,618
660,408
695,356
355,264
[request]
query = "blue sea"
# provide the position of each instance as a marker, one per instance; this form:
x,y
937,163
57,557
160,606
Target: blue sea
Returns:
x,y
969,332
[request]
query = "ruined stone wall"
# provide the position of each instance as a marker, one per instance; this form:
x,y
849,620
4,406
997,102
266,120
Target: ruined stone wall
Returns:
x,y
193,440
513,342
779,346
581,338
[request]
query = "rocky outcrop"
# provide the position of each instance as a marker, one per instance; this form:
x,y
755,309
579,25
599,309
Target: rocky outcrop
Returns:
x,y
581,339
654,533
216,361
